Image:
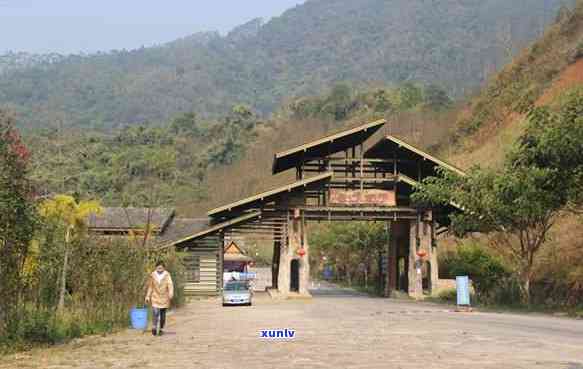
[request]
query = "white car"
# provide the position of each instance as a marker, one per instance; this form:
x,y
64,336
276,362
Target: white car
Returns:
x,y
237,293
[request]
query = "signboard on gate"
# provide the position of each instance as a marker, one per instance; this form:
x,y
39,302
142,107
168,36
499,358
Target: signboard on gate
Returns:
x,y
364,197
463,290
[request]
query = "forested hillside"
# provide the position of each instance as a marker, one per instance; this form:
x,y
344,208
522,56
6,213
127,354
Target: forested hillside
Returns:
x,y
455,44
13,61
169,162
538,76
530,115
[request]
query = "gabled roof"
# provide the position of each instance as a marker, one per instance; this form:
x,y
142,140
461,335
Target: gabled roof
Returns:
x,y
233,248
325,146
265,197
390,146
124,219
210,230
180,228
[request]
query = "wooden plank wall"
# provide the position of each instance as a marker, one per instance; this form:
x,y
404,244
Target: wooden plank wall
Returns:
x,y
203,258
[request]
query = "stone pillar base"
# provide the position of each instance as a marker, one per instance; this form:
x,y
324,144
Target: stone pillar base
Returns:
x,y
277,295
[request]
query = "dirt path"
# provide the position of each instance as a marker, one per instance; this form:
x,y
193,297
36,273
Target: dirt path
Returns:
x,y
337,329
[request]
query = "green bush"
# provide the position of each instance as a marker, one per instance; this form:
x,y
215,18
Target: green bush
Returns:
x,y
38,327
107,278
506,292
449,295
578,52
176,269
486,271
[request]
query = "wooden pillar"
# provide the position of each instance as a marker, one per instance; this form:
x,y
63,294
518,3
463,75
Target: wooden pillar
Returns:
x,y
304,261
275,263
283,273
396,230
386,265
221,266
432,257
398,238
415,281
297,238
422,240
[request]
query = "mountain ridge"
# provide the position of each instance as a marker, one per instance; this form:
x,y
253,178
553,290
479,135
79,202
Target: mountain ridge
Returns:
x,y
456,44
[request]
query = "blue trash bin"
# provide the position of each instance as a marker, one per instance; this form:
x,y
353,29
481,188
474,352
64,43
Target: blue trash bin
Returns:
x,y
139,318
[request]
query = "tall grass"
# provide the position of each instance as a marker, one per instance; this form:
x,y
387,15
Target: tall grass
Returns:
x,y
106,279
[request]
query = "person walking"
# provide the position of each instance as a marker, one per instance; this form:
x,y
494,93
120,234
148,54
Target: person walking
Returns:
x,y
160,293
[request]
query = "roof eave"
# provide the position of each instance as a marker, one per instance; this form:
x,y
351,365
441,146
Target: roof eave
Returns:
x,y
310,145
263,195
214,229
419,152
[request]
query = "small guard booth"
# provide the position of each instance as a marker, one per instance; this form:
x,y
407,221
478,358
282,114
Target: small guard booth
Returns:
x,y
235,259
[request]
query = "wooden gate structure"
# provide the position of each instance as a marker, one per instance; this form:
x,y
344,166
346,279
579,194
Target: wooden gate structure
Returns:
x,y
337,179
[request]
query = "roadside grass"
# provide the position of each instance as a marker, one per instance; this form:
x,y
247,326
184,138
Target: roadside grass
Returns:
x,y
43,328
448,297
570,312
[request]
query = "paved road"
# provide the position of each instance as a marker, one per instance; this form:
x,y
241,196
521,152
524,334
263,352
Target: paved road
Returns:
x,y
337,329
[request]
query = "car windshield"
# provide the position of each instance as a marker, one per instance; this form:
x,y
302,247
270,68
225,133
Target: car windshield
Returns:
x,y
236,287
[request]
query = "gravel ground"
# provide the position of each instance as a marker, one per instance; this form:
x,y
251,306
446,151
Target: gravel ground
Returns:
x,y
338,328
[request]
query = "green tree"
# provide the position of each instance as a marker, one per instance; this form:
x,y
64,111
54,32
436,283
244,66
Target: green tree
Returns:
x,y
72,216
486,271
518,204
553,140
436,98
410,95
339,102
541,177
17,218
186,123
347,246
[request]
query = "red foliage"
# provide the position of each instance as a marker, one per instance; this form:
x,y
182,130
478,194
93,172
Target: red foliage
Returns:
x,y
16,146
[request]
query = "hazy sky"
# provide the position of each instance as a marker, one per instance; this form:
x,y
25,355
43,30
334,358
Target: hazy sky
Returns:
x,y
70,26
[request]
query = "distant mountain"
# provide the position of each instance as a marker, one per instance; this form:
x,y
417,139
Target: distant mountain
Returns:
x,y
21,60
452,43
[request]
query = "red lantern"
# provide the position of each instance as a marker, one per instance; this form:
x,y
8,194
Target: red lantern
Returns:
x,y
301,252
421,253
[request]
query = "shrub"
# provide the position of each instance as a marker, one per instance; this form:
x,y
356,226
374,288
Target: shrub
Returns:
x,y
38,327
506,292
577,52
176,269
486,271
449,295
107,278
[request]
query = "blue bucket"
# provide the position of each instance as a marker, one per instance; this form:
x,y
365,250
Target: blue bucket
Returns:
x,y
139,318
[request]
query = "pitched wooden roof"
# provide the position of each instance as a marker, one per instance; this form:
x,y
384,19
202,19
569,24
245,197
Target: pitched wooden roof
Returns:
x,y
123,219
213,229
325,146
268,196
181,228
233,248
391,146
